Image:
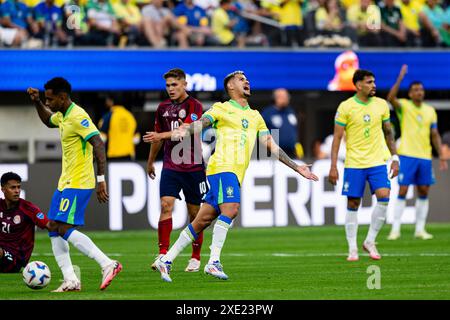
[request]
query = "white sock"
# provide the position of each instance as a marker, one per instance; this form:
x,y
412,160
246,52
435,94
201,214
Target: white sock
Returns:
x,y
378,219
398,212
421,214
187,236
220,231
60,249
83,243
351,229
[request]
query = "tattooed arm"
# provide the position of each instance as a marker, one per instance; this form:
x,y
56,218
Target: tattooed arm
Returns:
x,y
390,141
100,158
275,149
183,131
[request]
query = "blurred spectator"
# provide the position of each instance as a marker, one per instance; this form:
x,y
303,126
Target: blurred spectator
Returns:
x,y
49,23
393,31
347,4
10,37
246,30
15,17
103,26
118,131
130,19
289,15
324,151
222,24
365,18
75,25
445,146
208,5
329,23
439,18
158,21
241,28
281,116
196,22
414,18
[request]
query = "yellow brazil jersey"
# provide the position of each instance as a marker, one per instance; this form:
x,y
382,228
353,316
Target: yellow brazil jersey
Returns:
x,y
415,125
410,14
219,24
75,129
289,12
236,130
119,129
366,146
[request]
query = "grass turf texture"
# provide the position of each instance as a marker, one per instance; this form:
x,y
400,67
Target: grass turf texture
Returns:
x,y
266,263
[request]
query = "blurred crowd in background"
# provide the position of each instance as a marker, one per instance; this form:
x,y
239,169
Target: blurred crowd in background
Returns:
x,y
239,23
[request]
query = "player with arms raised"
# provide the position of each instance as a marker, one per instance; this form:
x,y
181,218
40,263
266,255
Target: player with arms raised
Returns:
x,y
237,127
80,140
418,122
188,176
18,219
366,121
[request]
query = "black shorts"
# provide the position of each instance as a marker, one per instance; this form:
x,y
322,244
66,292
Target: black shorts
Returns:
x,y
193,184
9,263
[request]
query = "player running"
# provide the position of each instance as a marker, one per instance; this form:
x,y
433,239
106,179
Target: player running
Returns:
x,y
418,121
18,219
80,139
188,176
237,127
364,118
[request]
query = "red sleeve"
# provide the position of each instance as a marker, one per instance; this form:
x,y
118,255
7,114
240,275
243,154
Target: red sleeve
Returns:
x,y
157,120
34,213
195,112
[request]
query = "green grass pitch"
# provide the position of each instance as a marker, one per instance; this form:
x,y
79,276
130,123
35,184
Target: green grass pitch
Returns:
x,y
290,263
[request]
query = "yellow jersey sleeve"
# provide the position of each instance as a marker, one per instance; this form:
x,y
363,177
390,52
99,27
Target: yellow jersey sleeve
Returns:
x,y
84,127
434,119
341,117
55,120
261,127
214,113
387,113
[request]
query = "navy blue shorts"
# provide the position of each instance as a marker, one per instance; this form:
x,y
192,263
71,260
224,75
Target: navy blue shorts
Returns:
x,y
193,184
355,180
225,188
415,171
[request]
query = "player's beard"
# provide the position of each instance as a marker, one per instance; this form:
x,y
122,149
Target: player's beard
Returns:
x,y
247,95
372,93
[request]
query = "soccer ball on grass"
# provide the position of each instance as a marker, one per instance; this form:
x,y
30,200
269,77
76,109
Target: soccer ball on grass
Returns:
x,y
36,275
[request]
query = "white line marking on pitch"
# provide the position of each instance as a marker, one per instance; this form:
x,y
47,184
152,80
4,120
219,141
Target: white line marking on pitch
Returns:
x,y
277,254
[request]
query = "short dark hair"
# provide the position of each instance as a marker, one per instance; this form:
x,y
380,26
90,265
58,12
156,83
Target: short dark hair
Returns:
x,y
415,82
360,74
57,85
229,77
8,177
176,73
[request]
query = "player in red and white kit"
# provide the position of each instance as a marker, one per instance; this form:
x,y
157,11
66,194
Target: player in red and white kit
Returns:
x,y
181,171
18,219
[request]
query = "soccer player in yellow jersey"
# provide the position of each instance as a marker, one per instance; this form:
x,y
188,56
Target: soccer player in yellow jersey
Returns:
x,y
80,140
237,127
366,121
418,121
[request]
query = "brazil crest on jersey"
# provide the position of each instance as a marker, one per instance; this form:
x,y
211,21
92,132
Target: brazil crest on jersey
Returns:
x,y
236,128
